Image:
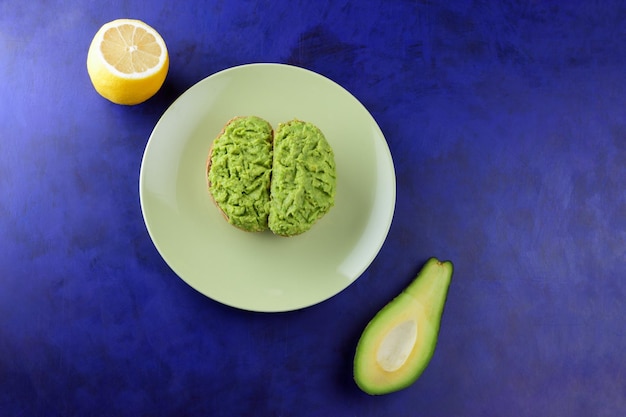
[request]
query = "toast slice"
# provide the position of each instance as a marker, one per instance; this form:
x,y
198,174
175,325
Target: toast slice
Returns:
x,y
303,182
239,170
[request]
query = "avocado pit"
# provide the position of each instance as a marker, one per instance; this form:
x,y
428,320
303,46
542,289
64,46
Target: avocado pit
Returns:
x,y
397,345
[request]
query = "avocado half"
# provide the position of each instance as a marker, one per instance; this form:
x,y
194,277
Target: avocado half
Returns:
x,y
398,343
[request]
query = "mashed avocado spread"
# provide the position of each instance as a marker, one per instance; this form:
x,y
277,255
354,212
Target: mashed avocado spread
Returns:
x,y
303,180
240,174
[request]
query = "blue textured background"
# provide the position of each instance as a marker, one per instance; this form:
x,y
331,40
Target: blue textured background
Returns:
x,y
507,125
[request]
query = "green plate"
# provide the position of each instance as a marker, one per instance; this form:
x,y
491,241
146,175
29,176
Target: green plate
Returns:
x,y
260,271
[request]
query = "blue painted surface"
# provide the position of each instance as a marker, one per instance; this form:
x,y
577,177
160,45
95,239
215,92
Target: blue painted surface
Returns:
x,y
507,127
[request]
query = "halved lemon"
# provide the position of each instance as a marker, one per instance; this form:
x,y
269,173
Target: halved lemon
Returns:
x,y
127,61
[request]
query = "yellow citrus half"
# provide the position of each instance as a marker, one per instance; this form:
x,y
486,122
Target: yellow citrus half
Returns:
x,y
127,61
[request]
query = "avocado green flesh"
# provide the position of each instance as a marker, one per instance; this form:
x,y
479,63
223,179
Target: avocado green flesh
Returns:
x,y
303,179
398,343
240,173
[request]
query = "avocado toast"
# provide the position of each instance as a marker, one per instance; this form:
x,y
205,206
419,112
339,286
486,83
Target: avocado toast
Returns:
x,y
239,171
260,179
303,178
